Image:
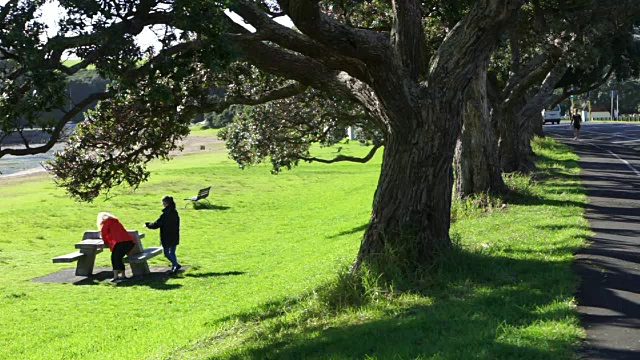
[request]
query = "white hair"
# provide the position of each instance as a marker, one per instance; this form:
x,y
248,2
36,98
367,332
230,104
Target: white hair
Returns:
x,y
102,217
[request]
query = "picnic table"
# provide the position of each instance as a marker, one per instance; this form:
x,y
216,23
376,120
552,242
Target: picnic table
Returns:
x,y
92,244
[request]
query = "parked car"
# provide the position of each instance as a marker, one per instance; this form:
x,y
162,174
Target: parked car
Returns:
x,y
553,115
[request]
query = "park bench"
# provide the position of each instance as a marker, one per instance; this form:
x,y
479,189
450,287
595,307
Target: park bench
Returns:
x,y
202,195
92,244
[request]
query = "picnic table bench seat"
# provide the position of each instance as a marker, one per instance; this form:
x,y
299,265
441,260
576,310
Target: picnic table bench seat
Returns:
x,y
67,258
144,255
92,244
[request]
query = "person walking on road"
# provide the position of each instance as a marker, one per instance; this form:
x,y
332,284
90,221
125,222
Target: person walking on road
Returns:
x,y
576,120
169,225
120,242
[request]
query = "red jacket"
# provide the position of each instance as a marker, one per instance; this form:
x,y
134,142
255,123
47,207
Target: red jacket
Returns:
x,y
113,232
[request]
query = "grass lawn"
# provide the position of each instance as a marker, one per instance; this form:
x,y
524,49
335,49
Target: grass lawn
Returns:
x,y
264,263
202,131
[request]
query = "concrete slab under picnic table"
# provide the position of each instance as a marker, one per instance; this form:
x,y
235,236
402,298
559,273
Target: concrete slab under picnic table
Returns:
x,y
68,276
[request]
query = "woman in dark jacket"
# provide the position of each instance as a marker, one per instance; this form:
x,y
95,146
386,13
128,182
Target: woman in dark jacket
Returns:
x,y
169,225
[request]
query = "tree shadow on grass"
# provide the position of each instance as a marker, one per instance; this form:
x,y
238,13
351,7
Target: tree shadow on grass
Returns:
x,y
356,229
558,227
477,305
155,280
208,206
215,274
518,198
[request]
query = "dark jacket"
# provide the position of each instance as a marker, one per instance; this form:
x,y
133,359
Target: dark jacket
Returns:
x,y
169,225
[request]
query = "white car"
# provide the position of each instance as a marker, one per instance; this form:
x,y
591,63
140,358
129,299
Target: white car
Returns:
x,y
552,115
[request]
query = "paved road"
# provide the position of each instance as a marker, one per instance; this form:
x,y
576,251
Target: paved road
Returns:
x,y
609,294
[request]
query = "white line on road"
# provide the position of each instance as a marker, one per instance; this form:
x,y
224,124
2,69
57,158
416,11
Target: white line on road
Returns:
x,y
632,140
600,133
628,164
625,141
619,158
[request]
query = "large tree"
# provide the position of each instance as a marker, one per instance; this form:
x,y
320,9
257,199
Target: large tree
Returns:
x,y
411,95
557,50
477,160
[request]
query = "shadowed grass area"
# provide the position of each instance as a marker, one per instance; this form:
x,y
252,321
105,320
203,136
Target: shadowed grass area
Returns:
x,y
505,291
267,275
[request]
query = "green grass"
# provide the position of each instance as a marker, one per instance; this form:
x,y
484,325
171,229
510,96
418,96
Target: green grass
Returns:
x,y
506,291
204,131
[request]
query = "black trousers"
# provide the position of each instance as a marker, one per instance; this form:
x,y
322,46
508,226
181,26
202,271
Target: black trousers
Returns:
x,y
120,250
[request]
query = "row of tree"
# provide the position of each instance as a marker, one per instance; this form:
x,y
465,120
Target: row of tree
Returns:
x,y
430,80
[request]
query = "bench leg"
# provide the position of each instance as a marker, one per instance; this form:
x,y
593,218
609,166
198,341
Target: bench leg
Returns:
x,y
85,265
139,269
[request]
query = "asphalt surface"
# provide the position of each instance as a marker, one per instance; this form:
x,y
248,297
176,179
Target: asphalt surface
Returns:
x,y
609,267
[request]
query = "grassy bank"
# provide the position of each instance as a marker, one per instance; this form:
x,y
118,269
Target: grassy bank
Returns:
x,y
264,261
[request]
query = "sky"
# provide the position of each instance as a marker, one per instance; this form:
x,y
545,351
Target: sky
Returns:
x,y
51,13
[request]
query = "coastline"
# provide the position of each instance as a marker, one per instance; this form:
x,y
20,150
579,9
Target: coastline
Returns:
x,y
192,144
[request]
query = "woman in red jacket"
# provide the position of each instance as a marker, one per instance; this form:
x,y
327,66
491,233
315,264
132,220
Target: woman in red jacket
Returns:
x,y
120,242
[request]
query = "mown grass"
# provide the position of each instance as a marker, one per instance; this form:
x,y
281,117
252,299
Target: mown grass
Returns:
x,y
204,131
267,271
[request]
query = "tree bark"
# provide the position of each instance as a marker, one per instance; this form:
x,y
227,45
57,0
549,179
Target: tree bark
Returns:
x,y
410,219
537,121
515,142
411,209
477,162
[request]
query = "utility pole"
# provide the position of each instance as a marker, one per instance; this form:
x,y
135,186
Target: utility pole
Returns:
x,y
612,94
617,105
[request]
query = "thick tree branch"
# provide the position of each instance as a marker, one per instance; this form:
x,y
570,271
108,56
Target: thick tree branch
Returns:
x,y
516,55
310,72
527,74
57,45
219,105
557,99
538,102
267,29
366,45
468,44
532,73
407,36
341,158
593,86
57,130
164,55
306,70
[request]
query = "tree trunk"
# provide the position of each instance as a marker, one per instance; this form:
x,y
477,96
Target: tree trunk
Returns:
x,y
515,142
537,121
412,206
476,159
411,209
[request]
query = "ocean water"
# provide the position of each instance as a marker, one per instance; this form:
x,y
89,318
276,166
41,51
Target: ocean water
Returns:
x,y
12,164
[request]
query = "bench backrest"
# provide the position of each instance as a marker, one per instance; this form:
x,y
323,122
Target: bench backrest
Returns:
x,y
203,193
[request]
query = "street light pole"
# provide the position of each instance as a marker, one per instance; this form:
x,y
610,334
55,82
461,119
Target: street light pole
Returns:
x,y
618,105
612,92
